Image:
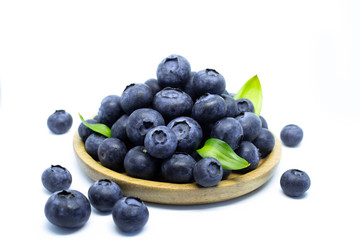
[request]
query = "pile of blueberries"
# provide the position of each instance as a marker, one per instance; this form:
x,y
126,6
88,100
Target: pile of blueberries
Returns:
x,y
156,126
70,208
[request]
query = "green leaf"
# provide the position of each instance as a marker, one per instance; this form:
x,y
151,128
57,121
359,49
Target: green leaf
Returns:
x,y
252,91
97,127
222,152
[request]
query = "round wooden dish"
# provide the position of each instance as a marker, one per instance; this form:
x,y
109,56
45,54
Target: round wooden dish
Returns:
x,y
181,194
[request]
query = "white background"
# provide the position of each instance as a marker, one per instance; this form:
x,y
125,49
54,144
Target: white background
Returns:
x,y
71,54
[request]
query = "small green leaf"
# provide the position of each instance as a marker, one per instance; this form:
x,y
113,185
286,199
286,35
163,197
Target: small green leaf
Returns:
x,y
252,91
97,127
222,152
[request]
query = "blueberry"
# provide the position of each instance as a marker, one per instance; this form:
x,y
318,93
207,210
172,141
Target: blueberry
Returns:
x,y
249,152
188,132
103,194
138,163
59,122
209,108
291,135
136,96
173,71
68,208
84,131
251,125
232,109
226,174
263,122
154,85
56,178
295,182
265,142
178,168
208,172
118,129
110,110
244,105
130,214
160,142
189,87
172,103
208,81
111,153
140,122
228,130
92,144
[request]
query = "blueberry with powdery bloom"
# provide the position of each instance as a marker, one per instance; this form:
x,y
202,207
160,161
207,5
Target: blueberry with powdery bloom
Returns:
x,y
208,81
103,194
209,108
291,135
56,178
68,209
130,214
110,110
172,103
138,163
188,132
295,182
136,96
59,122
111,153
160,142
178,168
251,125
173,71
140,122
92,144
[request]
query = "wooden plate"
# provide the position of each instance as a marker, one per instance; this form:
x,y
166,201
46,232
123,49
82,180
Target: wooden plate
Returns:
x,y
181,194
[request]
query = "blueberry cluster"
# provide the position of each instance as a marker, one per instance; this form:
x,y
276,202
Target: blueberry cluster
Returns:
x,y
156,126
70,208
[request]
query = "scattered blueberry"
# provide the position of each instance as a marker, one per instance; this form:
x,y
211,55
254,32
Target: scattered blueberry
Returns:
x,y
178,168
173,71
295,182
291,135
136,96
160,142
68,208
103,194
56,178
208,172
111,153
130,214
59,122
